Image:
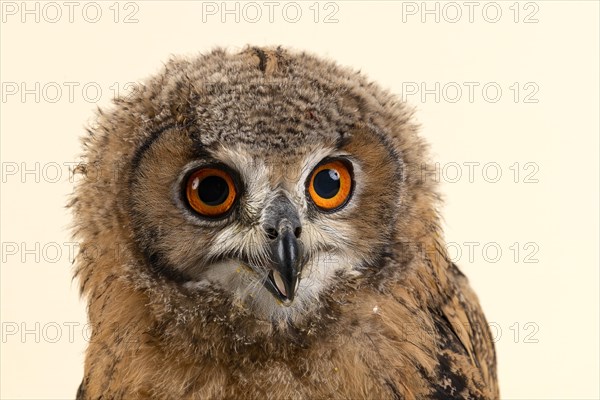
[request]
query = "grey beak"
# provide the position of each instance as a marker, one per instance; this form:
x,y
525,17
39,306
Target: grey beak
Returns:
x,y
282,226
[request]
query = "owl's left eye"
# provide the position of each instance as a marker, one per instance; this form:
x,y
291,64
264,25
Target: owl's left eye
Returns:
x,y
210,191
330,185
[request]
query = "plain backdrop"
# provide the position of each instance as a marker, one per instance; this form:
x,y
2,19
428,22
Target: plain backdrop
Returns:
x,y
506,93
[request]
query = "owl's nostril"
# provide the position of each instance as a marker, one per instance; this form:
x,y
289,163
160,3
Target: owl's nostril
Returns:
x,y
271,233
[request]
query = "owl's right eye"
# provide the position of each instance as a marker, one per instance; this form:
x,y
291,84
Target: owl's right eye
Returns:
x,y
210,192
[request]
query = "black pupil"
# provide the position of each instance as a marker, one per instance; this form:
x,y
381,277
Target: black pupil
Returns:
x,y
213,190
327,183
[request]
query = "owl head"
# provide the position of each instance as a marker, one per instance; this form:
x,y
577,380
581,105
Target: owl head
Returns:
x,y
258,182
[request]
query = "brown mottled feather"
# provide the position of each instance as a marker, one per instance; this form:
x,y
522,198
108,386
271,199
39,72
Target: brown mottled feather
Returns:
x,y
407,326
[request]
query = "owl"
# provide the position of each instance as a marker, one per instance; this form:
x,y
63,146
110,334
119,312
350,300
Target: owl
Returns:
x,y
263,224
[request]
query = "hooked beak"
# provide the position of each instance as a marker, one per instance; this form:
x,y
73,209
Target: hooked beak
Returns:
x,y
282,225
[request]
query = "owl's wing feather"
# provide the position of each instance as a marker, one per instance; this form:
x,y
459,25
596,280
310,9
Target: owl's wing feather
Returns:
x,y
80,392
466,350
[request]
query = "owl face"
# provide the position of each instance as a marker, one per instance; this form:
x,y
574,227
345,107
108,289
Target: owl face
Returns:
x,y
267,176
272,229
275,210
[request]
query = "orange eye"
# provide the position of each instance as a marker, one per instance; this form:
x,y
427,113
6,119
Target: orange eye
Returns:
x,y
210,192
330,185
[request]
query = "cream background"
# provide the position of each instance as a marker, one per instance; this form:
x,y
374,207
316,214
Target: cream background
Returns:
x,y
560,134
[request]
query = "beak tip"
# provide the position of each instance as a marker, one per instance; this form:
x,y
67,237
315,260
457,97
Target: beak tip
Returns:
x,y
284,289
